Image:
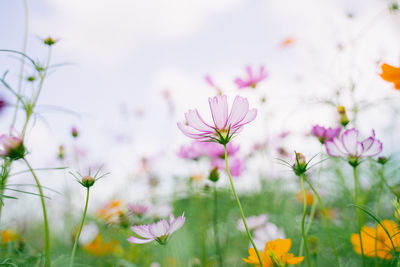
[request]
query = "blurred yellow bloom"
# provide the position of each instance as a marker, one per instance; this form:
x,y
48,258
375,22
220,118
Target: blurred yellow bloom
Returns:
x,y
98,247
196,177
391,74
8,235
112,211
275,254
309,197
376,242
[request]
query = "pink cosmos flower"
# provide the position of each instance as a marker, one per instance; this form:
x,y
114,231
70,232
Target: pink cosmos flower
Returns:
x,y
267,233
348,146
253,222
138,209
224,125
11,146
236,165
253,79
324,134
159,231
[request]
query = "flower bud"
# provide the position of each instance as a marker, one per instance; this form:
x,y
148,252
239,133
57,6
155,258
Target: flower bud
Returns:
x,y
343,119
49,41
61,152
88,181
300,166
214,175
74,132
382,160
31,79
12,147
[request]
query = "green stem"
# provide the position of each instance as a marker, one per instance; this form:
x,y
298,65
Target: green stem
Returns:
x,y
378,200
240,207
215,226
45,221
303,232
5,171
21,71
356,193
80,230
325,219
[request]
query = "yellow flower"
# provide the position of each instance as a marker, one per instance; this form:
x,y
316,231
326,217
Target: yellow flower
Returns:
x,y
98,247
391,74
275,254
376,243
8,235
112,211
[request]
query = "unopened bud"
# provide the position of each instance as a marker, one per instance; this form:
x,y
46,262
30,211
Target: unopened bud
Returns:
x,y
382,160
214,175
31,78
74,132
61,152
300,166
88,181
49,41
343,119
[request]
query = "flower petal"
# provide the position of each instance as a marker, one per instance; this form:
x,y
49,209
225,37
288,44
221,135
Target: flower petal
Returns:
x,y
159,229
135,240
250,116
350,141
177,224
219,110
333,149
374,149
142,230
239,110
191,132
195,121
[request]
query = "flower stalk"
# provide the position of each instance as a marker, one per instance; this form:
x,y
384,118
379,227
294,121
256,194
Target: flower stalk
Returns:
x,y
80,228
303,232
240,206
45,220
215,226
356,193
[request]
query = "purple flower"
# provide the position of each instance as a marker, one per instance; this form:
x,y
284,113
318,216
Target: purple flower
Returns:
x,y
199,149
138,209
348,146
224,126
324,134
12,147
159,231
236,165
253,79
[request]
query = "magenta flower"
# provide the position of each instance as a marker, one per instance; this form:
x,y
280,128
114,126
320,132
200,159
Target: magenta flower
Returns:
x,y
12,147
224,126
236,165
199,149
138,209
253,79
159,231
348,146
324,134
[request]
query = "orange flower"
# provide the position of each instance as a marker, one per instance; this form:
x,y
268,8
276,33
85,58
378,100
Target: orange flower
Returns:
x,y
112,211
391,74
8,235
98,247
275,254
309,197
376,242
288,41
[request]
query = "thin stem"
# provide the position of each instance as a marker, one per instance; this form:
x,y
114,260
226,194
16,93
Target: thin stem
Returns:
x,y
45,221
378,200
21,71
80,230
356,192
215,226
326,219
240,206
5,171
303,232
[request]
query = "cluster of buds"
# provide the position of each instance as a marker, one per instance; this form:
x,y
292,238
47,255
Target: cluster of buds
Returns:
x,y
343,119
12,147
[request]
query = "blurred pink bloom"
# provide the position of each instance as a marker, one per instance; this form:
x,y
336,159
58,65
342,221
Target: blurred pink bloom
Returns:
x,y
3,104
253,79
348,146
210,82
159,231
74,132
253,222
224,126
324,134
236,165
199,149
11,146
138,209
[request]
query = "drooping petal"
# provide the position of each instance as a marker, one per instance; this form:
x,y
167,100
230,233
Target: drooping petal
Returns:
x,y
374,149
191,132
142,230
135,240
333,149
195,121
239,110
350,141
219,110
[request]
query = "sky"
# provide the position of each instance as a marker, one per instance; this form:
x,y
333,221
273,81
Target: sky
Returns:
x,y
120,57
